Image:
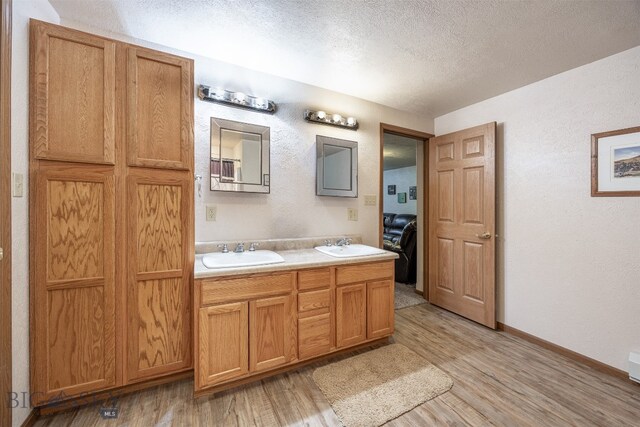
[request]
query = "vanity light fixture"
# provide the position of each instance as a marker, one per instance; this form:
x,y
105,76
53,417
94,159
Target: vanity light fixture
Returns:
x,y
236,99
325,118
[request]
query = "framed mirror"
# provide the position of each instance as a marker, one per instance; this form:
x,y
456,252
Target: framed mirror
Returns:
x,y
336,167
239,156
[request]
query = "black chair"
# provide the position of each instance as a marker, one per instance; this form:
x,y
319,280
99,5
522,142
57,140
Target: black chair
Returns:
x,y
401,237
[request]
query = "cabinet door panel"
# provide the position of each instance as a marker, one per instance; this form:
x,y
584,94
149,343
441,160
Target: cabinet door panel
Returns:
x,y
380,313
160,268
72,95
223,343
351,315
160,110
73,286
272,332
314,336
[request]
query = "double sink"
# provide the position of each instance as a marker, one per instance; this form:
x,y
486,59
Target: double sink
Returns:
x,y
216,260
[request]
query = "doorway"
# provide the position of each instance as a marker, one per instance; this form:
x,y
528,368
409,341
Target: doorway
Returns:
x,y
402,207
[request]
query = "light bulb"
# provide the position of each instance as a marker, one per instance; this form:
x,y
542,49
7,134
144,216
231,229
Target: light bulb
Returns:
x,y
261,102
336,118
239,97
351,121
218,92
321,115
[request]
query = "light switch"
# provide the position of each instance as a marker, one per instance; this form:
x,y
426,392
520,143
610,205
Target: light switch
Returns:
x,y
17,189
370,200
211,213
352,214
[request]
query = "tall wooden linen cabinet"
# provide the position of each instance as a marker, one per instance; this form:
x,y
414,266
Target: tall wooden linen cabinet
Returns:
x,y
111,213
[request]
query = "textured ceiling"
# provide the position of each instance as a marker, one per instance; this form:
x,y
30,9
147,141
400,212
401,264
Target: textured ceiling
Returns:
x,y
427,57
399,151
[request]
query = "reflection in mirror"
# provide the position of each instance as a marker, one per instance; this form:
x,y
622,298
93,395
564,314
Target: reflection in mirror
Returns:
x,y
239,156
336,167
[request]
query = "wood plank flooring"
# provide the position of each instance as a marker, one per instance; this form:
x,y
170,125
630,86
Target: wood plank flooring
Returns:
x,y
498,379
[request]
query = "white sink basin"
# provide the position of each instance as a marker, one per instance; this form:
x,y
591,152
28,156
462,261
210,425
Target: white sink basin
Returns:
x,y
244,259
348,251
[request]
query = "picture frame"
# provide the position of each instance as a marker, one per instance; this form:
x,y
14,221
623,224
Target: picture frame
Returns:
x,y
413,193
615,163
391,190
402,197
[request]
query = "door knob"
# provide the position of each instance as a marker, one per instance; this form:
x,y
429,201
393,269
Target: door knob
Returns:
x,y
485,236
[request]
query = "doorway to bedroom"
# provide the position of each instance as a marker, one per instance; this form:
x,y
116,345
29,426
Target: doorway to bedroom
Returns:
x,y
402,195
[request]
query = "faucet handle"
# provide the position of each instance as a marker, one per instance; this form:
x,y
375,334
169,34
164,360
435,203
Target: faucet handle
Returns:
x,y
347,241
253,246
327,242
225,248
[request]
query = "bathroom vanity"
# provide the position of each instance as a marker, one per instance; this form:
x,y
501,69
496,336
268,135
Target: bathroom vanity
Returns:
x,y
252,322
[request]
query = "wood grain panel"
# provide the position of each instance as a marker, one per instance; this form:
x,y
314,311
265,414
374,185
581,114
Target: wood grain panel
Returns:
x,y
314,336
364,272
351,315
444,268
314,302
233,289
445,151
73,97
160,323
472,200
446,202
380,309
473,274
159,231
224,343
73,288
160,110
315,278
75,229
6,14
160,265
473,147
270,328
76,347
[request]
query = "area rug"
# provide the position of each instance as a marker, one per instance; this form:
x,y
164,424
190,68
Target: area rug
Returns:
x,y
377,386
405,296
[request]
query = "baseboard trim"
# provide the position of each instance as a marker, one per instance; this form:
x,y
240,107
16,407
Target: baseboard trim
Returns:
x,y
421,293
33,417
580,358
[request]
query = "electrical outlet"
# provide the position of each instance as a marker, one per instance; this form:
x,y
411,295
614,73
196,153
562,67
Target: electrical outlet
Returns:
x,y
211,213
17,189
370,200
352,214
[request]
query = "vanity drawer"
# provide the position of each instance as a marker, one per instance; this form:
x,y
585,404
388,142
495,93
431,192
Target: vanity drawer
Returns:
x,y
314,336
315,278
364,272
314,302
216,291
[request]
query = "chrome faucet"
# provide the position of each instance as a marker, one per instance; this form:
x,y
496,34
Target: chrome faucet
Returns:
x,y
253,246
345,241
225,248
239,248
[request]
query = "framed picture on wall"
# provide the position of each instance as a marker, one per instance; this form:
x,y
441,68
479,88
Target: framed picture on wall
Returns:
x,y
413,193
391,190
402,197
615,163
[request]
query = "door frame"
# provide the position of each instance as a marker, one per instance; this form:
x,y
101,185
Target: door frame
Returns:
x,y
5,209
423,250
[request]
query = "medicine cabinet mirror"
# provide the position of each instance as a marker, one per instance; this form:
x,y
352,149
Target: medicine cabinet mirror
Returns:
x,y
336,167
239,156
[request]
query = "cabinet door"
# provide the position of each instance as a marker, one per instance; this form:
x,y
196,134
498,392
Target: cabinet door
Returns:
x,y
72,95
72,288
223,343
272,331
351,315
160,267
314,336
160,110
380,309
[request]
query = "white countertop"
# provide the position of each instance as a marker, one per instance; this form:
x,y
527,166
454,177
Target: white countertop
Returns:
x,y
293,259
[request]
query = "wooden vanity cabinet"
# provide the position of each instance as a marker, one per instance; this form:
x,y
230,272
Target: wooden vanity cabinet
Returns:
x,y
292,317
111,213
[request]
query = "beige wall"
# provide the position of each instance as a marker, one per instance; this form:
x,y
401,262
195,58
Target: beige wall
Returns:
x,y
569,264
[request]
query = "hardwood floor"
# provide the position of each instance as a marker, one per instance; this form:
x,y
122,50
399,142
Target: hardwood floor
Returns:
x,y
498,379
